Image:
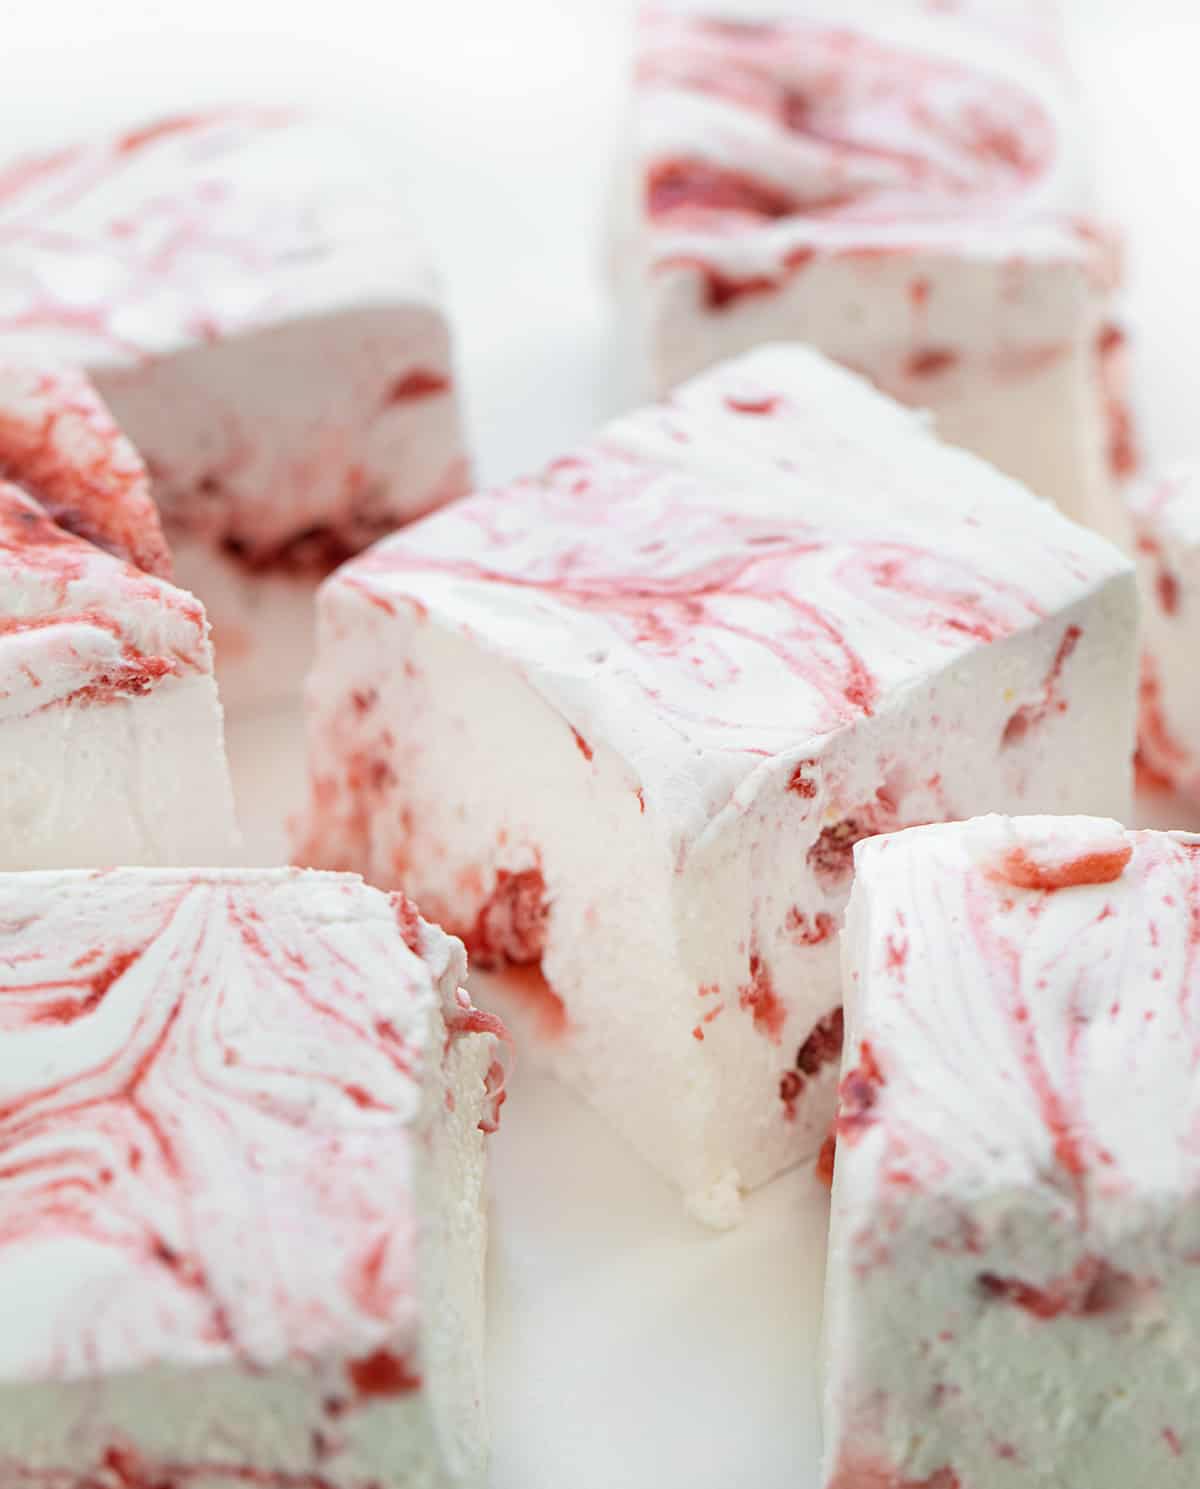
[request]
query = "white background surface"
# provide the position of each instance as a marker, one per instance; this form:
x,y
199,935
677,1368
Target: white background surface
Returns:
x,y
629,1349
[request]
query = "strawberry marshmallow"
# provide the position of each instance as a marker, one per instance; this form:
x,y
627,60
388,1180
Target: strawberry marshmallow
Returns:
x,y
241,1165
248,293
620,727
903,184
1012,1291
111,734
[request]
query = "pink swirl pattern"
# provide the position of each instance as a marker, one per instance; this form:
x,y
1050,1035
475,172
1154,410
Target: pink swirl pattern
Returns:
x,y
732,548
863,130
858,130
179,249
79,624
209,1089
59,441
1014,1235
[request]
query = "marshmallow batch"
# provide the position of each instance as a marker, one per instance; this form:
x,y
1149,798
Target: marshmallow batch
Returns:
x,y
251,298
242,1129
621,725
111,734
905,186
687,742
1012,1293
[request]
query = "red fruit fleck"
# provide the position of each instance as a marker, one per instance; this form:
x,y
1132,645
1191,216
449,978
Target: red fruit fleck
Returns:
x,y
1034,1300
1093,1289
1173,1441
827,1158
806,932
722,290
823,1045
582,745
798,258
1123,457
760,998
510,928
1167,588
762,405
416,385
932,362
382,1374
802,784
831,857
858,1096
1102,867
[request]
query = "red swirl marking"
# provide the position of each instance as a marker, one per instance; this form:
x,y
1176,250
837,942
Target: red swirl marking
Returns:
x,y
152,230
101,651
669,612
710,592
1124,454
1164,761
687,184
58,441
173,1123
865,131
1002,957
1051,701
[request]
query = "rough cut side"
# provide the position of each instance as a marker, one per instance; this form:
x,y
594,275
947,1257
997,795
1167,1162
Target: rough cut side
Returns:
x,y
903,184
241,1174
1012,1285
250,296
622,726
